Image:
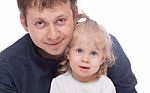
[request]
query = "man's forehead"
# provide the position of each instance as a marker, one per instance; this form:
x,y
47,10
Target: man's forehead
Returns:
x,y
47,3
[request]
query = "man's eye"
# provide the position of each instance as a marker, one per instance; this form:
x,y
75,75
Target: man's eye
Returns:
x,y
79,50
94,53
40,24
61,21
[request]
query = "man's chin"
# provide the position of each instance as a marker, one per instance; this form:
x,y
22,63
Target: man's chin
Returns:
x,y
56,55
53,54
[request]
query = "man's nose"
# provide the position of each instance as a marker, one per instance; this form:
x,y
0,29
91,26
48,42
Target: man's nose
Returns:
x,y
53,33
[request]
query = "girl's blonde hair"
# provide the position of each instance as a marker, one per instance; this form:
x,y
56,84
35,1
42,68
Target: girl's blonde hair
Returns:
x,y
92,32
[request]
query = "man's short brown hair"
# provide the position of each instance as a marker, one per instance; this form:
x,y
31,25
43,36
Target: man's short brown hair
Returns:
x,y
23,5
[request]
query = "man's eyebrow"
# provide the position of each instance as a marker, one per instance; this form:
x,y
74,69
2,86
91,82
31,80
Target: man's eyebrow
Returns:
x,y
60,16
39,19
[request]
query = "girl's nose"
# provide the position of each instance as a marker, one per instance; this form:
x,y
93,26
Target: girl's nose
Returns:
x,y
86,58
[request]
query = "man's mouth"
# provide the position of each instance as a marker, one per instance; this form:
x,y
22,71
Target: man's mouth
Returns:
x,y
55,43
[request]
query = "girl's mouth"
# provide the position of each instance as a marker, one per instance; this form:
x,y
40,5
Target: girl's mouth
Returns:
x,y
83,67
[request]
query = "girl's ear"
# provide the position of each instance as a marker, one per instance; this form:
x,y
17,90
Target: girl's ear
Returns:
x,y
67,56
67,52
103,60
23,22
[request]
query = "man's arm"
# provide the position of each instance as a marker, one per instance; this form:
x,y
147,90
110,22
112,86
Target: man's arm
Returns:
x,y
6,82
121,73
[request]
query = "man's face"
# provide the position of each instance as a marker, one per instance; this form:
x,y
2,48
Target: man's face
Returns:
x,y
50,29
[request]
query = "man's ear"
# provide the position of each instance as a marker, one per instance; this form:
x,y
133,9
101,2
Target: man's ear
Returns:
x,y
75,9
23,22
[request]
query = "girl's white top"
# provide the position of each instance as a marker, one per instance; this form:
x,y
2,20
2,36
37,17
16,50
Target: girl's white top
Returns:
x,y
67,84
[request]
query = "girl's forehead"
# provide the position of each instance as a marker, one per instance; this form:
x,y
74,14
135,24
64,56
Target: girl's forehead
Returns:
x,y
85,44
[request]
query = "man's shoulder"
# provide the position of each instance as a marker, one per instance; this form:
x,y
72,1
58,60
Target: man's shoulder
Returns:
x,y
113,38
15,50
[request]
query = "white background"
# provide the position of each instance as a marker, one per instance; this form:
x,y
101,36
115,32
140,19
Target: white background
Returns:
x,y
128,20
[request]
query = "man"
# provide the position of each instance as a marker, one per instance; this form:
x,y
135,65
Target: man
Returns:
x,y
29,65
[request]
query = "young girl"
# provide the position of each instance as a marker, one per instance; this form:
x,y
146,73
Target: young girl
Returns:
x,y
88,57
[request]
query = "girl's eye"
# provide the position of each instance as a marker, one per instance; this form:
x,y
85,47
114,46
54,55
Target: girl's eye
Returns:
x,y
61,21
94,53
40,24
79,50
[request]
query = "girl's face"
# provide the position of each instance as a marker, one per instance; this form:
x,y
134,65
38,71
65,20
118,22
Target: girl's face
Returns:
x,y
85,61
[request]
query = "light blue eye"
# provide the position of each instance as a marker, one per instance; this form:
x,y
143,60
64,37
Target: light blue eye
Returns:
x,y
79,50
94,53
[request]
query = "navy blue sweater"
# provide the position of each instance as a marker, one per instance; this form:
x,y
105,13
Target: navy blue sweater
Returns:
x,y
22,70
